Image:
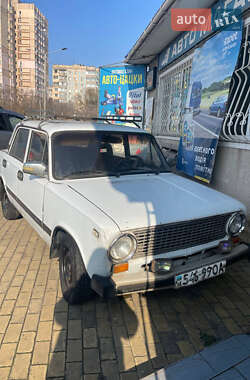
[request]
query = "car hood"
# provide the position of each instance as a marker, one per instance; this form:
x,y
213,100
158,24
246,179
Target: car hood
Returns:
x,y
135,201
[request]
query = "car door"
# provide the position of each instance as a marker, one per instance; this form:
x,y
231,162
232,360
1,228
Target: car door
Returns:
x,y
12,165
32,187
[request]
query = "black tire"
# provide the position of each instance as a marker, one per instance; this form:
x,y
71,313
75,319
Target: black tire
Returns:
x,y
9,211
2,190
75,281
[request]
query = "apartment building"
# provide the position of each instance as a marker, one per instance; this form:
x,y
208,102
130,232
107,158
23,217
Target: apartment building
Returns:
x,y
23,50
70,82
7,49
31,49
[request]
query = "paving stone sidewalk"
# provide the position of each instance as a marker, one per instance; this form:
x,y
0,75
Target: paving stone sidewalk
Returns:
x,y
226,360
126,338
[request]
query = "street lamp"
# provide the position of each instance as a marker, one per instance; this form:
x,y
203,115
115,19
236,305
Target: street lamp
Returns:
x,y
45,80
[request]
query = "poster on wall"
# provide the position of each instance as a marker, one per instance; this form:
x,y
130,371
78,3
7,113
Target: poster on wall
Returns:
x,y
212,68
149,107
121,90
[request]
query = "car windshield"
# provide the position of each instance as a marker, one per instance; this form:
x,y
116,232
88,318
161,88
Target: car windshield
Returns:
x,y
92,154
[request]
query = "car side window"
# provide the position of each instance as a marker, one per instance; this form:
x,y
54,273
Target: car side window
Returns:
x,y
38,150
18,147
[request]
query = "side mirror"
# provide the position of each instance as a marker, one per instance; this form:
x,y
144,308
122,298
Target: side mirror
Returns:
x,y
35,168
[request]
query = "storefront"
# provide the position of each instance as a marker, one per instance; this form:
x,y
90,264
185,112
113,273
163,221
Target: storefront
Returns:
x,y
174,66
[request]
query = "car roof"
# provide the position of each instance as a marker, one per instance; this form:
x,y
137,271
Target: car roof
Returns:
x,y
53,126
12,113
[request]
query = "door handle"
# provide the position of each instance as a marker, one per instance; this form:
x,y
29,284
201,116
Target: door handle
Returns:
x,y
4,163
20,175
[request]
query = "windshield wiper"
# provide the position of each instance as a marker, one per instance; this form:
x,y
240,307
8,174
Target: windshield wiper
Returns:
x,y
143,171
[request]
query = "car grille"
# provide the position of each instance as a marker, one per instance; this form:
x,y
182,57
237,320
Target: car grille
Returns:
x,y
174,236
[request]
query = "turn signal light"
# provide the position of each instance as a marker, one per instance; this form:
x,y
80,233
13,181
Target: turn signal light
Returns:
x,y
123,267
235,240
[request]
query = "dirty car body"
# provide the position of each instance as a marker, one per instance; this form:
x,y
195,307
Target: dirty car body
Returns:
x,y
103,198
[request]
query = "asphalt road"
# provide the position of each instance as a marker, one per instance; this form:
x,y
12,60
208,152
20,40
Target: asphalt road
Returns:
x,y
210,122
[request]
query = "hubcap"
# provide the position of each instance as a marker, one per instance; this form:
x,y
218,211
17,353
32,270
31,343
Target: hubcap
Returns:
x,y
68,269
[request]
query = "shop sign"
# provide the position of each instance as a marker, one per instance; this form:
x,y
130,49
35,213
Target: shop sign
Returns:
x,y
121,90
225,14
151,79
206,105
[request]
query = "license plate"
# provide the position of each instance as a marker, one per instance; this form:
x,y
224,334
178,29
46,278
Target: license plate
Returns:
x,y
200,274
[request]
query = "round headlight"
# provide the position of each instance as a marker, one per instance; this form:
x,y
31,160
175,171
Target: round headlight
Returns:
x,y
236,224
123,248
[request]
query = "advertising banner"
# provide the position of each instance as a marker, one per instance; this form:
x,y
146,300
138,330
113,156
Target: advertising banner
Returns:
x,y
149,113
206,104
225,14
122,90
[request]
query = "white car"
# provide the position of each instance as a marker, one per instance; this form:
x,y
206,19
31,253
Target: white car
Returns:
x,y
103,198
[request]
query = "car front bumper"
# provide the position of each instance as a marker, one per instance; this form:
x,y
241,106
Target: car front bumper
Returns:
x,y
145,280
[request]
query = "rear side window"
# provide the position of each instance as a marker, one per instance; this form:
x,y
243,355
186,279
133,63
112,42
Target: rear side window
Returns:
x,y
18,147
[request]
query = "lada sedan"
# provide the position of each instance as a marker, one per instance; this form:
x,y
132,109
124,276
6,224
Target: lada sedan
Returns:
x,y
103,198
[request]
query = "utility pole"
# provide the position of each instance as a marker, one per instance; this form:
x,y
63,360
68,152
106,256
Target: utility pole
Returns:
x,y
45,80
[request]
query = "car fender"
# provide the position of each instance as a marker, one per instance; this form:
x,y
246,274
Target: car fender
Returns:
x,y
91,229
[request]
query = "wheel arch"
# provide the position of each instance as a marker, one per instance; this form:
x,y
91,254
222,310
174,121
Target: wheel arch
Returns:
x,y
55,244
55,240
94,253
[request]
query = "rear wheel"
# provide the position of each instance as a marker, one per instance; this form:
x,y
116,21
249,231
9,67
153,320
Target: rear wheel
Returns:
x,y
75,281
9,211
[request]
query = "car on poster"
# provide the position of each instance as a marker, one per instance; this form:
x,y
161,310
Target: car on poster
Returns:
x,y
218,107
118,220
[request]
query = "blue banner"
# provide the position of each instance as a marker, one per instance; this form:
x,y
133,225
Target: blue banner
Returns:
x,y
206,105
122,90
225,14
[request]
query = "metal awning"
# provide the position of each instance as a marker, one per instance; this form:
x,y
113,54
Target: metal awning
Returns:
x,y
159,33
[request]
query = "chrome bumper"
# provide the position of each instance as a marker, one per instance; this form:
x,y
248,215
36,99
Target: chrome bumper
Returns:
x,y
143,281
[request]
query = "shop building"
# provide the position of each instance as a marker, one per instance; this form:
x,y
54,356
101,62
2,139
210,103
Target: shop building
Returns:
x,y
168,55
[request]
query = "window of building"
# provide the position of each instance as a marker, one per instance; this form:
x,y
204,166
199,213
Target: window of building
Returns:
x,y
171,97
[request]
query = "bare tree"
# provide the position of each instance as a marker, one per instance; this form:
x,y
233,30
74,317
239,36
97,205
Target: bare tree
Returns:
x,y
91,102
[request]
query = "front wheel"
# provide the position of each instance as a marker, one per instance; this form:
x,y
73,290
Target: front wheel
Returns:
x,y
75,281
9,211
